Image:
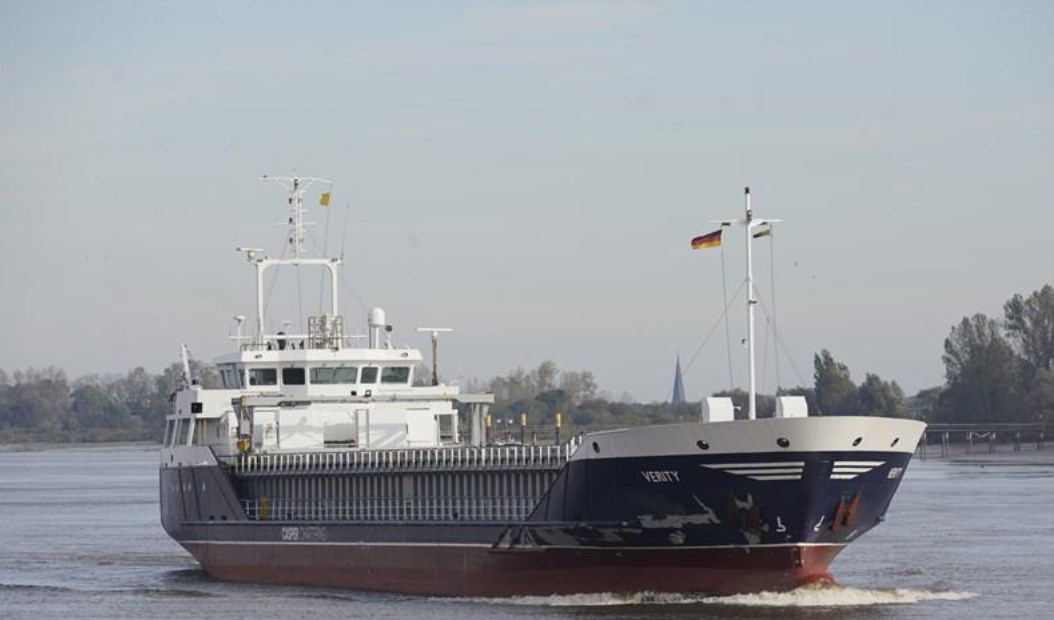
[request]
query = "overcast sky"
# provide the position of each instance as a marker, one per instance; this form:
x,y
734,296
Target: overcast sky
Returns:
x,y
529,174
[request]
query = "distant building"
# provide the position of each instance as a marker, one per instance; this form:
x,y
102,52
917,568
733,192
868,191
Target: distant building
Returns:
x,y
678,385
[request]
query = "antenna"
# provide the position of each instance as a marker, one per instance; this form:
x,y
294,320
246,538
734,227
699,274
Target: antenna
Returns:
x,y
250,253
296,187
239,319
435,349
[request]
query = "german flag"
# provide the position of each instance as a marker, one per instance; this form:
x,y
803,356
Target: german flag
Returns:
x,y
707,241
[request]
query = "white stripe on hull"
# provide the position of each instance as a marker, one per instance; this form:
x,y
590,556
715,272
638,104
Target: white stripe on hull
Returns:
x,y
767,437
786,470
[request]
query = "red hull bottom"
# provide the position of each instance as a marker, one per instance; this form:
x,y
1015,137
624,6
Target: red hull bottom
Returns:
x,y
482,571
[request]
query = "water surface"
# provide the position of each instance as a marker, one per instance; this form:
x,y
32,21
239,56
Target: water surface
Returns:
x,y
80,538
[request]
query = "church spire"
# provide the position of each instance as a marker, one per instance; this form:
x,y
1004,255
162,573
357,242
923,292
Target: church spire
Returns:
x,y
678,385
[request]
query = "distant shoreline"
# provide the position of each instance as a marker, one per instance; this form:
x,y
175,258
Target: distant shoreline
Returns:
x,y
42,446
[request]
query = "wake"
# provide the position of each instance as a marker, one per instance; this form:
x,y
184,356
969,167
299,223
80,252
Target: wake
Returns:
x,y
816,595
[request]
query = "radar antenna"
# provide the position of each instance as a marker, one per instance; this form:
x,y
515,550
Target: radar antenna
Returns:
x,y
435,348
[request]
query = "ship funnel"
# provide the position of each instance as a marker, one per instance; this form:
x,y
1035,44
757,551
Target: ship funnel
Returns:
x,y
377,322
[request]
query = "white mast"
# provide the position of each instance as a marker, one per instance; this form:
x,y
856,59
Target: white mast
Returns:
x,y
751,301
749,224
296,187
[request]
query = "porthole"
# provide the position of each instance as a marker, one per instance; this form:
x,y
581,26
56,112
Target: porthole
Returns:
x,y
895,442
596,447
783,442
856,442
703,445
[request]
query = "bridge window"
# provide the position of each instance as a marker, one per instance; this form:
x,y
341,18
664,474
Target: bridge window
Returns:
x,y
396,374
293,376
201,433
230,377
263,376
339,374
369,374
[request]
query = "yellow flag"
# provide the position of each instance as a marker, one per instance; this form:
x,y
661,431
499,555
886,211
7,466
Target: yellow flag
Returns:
x,y
324,199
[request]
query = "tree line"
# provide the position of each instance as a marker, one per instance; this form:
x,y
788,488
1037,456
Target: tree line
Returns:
x,y
996,370
1000,370
832,393
43,405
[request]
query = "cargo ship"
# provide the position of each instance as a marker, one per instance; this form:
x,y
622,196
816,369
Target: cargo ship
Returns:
x,y
324,460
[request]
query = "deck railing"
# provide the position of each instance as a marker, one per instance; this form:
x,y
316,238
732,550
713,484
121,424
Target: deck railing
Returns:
x,y
421,508
464,458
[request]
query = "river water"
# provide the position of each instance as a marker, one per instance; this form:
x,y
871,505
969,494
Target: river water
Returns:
x,y
80,538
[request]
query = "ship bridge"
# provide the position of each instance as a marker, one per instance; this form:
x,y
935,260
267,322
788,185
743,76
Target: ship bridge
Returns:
x,y
319,389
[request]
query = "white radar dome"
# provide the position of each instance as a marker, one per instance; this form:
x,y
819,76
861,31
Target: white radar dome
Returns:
x,y
377,317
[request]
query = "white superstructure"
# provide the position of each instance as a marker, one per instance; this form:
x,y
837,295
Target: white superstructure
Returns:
x,y
314,389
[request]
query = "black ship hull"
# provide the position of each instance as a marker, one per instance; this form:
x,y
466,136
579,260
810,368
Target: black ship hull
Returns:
x,y
677,523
